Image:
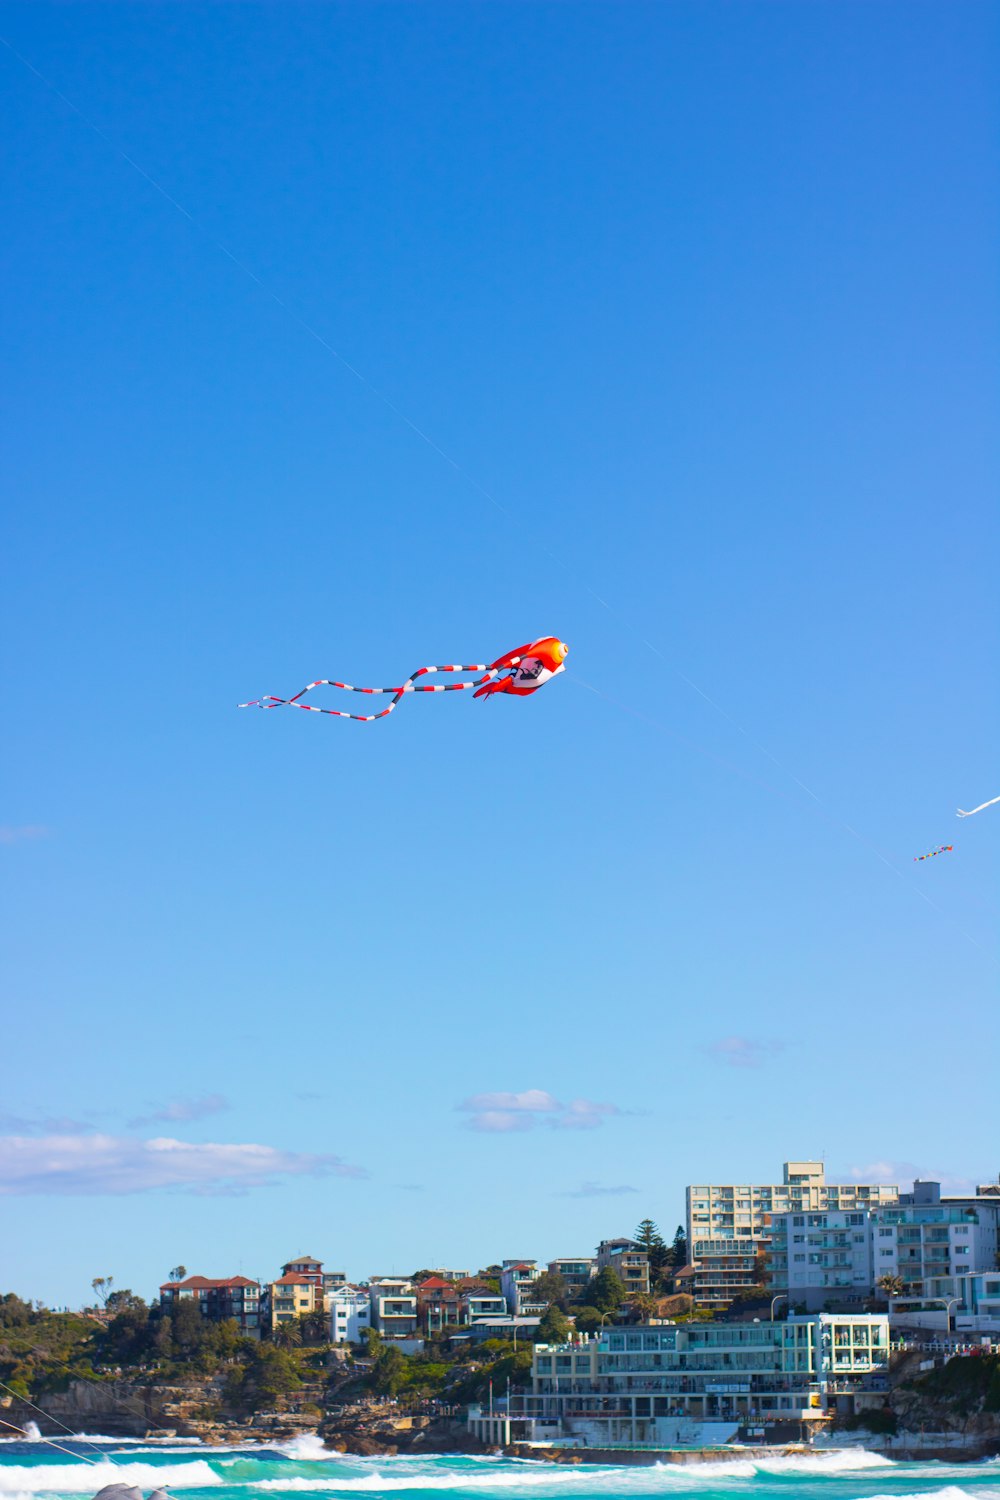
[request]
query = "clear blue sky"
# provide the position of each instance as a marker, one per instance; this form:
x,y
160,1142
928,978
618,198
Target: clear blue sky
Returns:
x,y
705,296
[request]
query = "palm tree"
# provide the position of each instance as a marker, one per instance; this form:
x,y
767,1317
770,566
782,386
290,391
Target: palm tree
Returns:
x,y
287,1335
891,1284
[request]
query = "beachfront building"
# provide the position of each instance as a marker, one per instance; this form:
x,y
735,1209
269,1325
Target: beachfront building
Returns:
x,y
665,1385
393,1306
629,1260
350,1314
821,1260
968,1303
235,1297
919,1242
729,1224
576,1270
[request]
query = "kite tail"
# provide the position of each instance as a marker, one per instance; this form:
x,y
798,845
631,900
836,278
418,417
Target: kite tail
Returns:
x,y
409,686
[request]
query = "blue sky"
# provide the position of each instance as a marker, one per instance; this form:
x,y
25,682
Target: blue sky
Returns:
x,y
703,295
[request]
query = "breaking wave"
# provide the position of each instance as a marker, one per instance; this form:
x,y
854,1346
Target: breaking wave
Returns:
x,y
87,1478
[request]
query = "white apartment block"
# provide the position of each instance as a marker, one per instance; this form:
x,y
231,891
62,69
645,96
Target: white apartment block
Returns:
x,y
729,1224
393,1306
350,1314
924,1241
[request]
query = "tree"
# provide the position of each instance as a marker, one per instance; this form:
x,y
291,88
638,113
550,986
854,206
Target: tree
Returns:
x,y
589,1319
178,1273
287,1335
389,1374
555,1327
550,1287
645,1307
649,1237
607,1290
119,1301
679,1249
891,1284
315,1328
102,1288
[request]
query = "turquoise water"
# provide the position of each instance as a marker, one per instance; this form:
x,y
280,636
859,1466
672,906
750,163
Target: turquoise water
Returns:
x,y
300,1468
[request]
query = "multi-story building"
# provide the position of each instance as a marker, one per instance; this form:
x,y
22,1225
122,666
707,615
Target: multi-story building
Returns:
x,y
235,1297
444,1306
291,1296
821,1260
967,1302
839,1257
516,1280
917,1242
307,1266
631,1262
575,1270
729,1224
393,1306
670,1384
350,1314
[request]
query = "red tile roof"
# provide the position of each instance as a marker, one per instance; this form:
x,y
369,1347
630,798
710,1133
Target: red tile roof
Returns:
x,y
295,1278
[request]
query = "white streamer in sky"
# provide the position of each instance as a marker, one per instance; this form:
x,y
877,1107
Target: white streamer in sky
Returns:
x,y
972,810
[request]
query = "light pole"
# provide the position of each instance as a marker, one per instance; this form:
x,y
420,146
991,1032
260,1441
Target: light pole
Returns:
x,y
781,1297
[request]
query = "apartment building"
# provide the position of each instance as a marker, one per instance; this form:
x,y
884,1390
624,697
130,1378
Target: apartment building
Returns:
x,y
236,1297
291,1296
630,1261
307,1267
350,1314
393,1306
659,1384
967,1302
729,1224
821,1260
576,1270
922,1241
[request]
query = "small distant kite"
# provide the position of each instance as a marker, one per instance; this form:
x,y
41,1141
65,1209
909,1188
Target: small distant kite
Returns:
x,y
972,810
522,671
942,849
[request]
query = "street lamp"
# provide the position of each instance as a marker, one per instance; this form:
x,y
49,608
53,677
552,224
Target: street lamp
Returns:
x,y
781,1297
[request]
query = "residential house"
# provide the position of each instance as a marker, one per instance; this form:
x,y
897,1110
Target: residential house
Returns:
x,y
631,1262
516,1278
307,1266
393,1306
235,1297
291,1296
729,1224
350,1313
441,1306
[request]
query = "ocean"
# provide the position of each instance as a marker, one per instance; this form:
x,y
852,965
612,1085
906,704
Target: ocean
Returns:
x,y
302,1467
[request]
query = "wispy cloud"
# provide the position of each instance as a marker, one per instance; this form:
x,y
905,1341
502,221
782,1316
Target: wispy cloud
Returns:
x,y
501,1112
902,1173
86,1165
43,1124
181,1111
22,834
743,1051
597,1190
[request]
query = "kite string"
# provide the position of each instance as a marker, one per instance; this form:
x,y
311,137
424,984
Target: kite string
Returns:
x,y
425,437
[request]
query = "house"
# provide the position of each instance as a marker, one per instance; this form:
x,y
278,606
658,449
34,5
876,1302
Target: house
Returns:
x,y
393,1306
516,1278
696,1384
292,1296
631,1262
307,1266
350,1314
236,1297
440,1306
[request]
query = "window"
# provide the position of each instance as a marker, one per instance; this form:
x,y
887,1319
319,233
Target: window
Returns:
x,y
885,1234
798,1257
798,1220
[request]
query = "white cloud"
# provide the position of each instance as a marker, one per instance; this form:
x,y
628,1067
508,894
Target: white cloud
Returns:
x,y
11,835
180,1111
75,1165
501,1112
743,1051
903,1173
